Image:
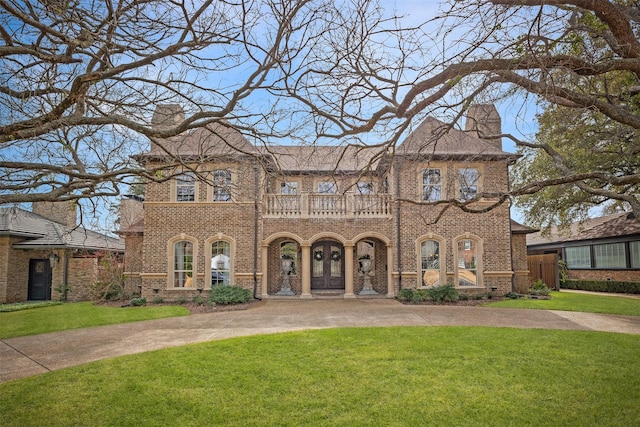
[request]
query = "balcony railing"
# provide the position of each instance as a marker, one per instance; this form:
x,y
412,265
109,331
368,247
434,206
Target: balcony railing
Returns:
x,y
313,205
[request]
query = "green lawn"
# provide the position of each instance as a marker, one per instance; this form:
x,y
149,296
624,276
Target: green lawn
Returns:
x,y
412,376
577,302
77,315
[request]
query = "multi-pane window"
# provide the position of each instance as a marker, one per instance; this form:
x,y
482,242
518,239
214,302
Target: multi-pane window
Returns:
x,y
183,264
186,187
290,188
610,256
220,263
431,185
327,187
634,247
467,263
221,185
364,188
430,262
468,183
578,257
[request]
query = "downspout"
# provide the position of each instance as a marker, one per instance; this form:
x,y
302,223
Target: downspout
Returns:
x,y
256,211
399,240
65,274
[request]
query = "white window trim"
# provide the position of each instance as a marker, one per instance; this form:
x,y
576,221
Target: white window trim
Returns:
x,y
211,186
174,188
171,260
443,257
207,256
444,179
479,260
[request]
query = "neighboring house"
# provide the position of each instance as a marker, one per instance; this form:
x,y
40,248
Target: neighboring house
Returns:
x,y
316,214
44,249
605,248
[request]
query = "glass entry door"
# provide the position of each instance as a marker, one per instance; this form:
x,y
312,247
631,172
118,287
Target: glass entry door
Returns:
x,y
327,265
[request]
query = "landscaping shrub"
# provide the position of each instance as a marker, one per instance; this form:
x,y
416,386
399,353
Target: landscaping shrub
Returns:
x,y
198,300
229,295
136,302
405,294
539,288
182,300
442,293
603,286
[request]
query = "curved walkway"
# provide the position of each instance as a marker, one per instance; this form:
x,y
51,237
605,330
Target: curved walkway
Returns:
x,y
26,356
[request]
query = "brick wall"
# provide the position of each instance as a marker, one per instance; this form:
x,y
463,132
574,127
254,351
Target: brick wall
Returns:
x,y
615,275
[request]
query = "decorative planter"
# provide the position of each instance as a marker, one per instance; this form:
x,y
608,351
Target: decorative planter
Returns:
x,y
365,267
286,265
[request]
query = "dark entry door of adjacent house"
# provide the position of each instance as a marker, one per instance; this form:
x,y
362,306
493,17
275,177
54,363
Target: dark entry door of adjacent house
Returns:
x,y
39,279
327,265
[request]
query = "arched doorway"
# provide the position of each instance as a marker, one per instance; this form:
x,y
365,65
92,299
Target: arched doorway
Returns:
x,y
327,265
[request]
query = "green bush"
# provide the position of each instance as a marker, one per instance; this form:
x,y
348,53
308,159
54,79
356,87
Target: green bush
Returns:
x,y
539,288
405,294
198,300
229,295
182,300
603,286
158,300
136,302
442,293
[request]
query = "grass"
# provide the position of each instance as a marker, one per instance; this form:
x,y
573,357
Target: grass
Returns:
x,y
463,376
77,315
577,302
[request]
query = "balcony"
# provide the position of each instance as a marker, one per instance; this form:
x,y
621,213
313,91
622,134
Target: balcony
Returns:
x,y
338,206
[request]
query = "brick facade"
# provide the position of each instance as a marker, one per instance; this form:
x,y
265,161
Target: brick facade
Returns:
x,y
260,217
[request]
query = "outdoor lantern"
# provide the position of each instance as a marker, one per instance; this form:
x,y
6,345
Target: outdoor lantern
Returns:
x,y
53,259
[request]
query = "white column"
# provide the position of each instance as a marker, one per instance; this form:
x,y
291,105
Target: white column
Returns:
x,y
265,267
306,270
390,271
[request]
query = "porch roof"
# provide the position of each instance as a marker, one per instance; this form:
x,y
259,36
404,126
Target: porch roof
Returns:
x,y
40,232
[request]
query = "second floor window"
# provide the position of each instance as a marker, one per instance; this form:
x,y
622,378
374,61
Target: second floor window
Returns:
x,y
327,187
186,187
468,181
221,185
431,185
289,188
364,188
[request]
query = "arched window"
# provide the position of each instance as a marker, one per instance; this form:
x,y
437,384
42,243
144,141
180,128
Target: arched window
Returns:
x,y
430,261
220,263
183,264
468,259
431,250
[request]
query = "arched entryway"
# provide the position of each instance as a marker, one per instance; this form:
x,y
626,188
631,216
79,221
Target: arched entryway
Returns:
x,y
327,265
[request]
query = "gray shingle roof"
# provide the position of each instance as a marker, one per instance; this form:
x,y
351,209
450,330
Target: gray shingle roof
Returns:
x,y
41,232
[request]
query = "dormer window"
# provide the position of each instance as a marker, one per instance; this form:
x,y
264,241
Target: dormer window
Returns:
x,y
221,185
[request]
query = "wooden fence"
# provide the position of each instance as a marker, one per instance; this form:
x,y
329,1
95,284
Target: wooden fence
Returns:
x,y
544,267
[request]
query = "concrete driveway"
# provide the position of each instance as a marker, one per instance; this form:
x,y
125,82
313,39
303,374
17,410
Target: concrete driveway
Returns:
x,y
25,356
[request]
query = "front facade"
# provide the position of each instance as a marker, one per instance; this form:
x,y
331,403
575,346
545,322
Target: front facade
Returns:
x,y
303,221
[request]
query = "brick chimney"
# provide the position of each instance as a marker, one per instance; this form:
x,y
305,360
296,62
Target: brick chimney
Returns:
x,y
64,213
483,121
167,115
131,211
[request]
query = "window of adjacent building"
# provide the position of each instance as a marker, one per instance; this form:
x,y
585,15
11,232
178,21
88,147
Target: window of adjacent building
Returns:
x,y
183,264
364,188
634,248
221,185
289,188
578,257
430,262
468,183
186,187
467,263
431,185
289,250
610,256
220,263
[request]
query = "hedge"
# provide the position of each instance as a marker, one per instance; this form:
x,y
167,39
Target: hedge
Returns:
x,y
603,286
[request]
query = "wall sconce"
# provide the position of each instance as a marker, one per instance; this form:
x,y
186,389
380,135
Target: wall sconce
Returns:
x,y
53,259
